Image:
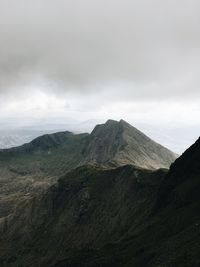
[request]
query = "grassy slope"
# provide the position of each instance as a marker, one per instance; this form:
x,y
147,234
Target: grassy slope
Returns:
x,y
33,167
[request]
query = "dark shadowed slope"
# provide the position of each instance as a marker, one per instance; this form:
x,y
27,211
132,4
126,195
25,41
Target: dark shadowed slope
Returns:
x,y
87,210
182,184
124,217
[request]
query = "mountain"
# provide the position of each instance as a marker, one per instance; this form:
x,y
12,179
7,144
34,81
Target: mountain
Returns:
x,y
33,167
119,217
110,144
119,143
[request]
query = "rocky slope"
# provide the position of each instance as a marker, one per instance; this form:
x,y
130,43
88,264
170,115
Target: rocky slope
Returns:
x,y
124,217
88,210
33,167
119,143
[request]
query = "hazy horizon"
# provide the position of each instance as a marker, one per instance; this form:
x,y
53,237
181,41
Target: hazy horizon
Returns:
x,y
77,63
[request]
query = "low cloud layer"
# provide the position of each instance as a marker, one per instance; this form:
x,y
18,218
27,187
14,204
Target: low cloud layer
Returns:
x,y
141,48
69,60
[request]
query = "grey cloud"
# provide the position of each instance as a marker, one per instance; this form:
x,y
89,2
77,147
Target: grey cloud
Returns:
x,y
149,47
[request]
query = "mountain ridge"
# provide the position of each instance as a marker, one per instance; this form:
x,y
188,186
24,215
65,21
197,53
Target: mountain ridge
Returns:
x,y
33,167
107,217
112,130
127,145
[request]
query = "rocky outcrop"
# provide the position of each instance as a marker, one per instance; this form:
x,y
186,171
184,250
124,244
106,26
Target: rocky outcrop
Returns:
x,y
118,143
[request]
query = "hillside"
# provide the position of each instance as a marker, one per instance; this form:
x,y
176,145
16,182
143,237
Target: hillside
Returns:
x,y
30,169
33,167
124,217
89,209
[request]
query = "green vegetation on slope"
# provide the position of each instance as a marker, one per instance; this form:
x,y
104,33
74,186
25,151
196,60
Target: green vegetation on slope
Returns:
x,y
30,169
122,217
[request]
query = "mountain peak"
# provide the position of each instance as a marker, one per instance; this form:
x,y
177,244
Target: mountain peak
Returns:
x,y
112,144
119,143
124,122
111,122
115,122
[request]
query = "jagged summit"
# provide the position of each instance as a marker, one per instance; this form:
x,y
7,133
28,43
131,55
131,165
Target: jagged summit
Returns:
x,y
113,123
112,144
107,126
119,143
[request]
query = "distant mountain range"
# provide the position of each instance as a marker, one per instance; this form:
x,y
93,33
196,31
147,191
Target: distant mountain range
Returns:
x,y
101,199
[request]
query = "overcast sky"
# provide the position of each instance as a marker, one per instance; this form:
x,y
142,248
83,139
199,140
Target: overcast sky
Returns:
x,y
98,59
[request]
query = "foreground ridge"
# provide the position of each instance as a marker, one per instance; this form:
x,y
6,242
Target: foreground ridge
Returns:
x,y
125,216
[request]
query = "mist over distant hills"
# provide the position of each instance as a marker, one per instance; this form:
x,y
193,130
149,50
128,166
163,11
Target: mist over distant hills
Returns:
x,y
15,132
